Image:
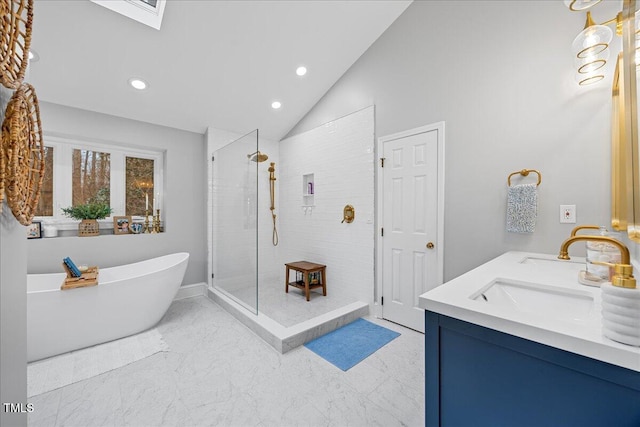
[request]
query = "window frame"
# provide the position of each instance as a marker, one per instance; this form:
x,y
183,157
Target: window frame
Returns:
x,y
63,182
137,10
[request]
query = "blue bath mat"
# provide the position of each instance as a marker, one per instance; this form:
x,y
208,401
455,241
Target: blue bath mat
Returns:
x,y
349,345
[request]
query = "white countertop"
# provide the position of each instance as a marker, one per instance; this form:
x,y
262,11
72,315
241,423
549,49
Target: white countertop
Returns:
x,y
583,336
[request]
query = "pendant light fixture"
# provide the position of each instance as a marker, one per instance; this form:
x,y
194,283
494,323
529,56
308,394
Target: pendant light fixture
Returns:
x,y
591,51
593,40
591,46
578,5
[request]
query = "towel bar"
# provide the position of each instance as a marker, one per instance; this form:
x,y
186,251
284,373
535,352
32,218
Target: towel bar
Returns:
x,y
525,172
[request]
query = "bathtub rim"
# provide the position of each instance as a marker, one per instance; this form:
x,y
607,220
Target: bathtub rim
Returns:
x,y
181,256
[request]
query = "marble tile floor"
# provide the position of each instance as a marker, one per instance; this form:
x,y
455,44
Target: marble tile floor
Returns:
x,y
291,308
219,373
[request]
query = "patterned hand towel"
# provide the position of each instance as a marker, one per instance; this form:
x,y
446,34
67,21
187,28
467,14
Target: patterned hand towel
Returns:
x,y
522,208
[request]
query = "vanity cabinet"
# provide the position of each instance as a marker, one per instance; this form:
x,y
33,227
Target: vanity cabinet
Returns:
x,y
476,376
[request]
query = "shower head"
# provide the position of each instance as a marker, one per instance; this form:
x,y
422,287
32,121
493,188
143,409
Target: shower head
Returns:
x,y
257,157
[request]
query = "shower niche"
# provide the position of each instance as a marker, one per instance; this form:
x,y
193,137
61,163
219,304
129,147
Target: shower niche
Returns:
x,y
308,190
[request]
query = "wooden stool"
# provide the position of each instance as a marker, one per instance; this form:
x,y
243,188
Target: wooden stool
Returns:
x,y
306,268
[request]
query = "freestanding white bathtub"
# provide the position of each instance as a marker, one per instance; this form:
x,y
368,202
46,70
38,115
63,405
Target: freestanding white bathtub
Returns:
x,y
128,299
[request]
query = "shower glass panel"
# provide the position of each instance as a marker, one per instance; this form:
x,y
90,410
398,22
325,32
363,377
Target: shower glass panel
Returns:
x,y
235,225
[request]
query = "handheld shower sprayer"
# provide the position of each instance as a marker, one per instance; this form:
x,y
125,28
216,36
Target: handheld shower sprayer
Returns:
x,y
272,191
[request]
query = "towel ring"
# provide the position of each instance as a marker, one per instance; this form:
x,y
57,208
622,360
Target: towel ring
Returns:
x,y
525,172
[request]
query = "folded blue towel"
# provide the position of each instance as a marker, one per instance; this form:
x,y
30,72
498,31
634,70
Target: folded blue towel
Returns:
x,y
522,208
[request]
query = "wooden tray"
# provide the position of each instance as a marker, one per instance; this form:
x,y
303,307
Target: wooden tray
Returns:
x,y
88,278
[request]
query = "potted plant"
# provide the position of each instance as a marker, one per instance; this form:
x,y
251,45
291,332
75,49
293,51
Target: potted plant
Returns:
x,y
88,214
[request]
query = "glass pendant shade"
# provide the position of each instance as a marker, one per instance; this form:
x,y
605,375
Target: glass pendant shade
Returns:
x,y
593,40
589,79
578,5
590,64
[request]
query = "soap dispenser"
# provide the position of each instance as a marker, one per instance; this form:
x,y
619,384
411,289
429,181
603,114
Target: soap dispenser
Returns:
x,y
621,307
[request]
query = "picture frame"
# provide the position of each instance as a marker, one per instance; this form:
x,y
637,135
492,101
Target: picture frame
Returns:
x,y
34,230
121,224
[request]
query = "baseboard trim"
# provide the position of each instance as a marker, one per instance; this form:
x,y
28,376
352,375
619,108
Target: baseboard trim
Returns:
x,y
189,291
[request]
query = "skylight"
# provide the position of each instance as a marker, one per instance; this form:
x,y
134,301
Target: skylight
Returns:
x,y
151,3
148,12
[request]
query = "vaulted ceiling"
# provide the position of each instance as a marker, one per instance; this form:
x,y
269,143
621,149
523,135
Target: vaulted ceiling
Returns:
x,y
212,63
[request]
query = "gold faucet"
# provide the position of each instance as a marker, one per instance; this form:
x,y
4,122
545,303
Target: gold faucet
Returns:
x,y
584,227
623,272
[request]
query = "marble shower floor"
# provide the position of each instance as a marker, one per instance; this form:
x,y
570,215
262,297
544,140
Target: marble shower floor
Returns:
x,y
289,309
219,373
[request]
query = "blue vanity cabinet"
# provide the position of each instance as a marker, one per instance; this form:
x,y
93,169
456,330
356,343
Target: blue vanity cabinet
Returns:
x,y
477,376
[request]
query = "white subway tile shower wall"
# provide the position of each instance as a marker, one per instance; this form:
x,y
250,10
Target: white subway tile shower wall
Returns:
x,y
340,156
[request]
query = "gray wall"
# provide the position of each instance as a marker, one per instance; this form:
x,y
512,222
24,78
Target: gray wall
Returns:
x,y
13,316
500,74
13,309
184,201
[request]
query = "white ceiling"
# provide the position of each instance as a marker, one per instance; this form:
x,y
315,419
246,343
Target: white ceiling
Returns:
x,y
213,63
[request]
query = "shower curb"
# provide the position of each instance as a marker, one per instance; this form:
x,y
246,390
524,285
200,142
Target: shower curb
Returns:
x,y
282,338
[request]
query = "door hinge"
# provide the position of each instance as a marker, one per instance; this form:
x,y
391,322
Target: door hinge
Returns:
x,y
213,158
381,300
381,162
382,232
212,275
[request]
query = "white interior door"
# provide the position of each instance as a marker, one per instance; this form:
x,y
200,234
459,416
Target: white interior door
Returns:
x,y
411,221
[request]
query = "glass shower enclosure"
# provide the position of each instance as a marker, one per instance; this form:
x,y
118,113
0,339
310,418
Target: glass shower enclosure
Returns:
x,y
234,220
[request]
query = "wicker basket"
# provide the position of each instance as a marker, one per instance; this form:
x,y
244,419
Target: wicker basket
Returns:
x,y
88,227
15,40
22,166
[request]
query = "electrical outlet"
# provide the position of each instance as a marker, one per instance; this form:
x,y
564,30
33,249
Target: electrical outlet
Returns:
x,y
568,214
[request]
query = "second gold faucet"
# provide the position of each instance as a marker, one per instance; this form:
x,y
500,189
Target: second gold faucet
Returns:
x,y
623,272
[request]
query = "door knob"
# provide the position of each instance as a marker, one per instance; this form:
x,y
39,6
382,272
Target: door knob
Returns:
x,y
430,245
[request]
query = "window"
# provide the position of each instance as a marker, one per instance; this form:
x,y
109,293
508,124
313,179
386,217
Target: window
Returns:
x,y
45,203
129,180
152,3
148,12
91,174
139,182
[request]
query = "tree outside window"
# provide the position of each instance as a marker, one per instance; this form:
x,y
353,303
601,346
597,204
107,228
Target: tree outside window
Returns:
x,y
45,203
91,176
139,186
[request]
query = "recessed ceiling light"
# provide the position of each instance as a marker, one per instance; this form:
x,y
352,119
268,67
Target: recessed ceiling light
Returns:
x,y
33,56
301,71
276,104
138,83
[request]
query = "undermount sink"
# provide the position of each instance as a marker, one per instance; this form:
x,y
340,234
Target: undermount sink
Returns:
x,y
547,301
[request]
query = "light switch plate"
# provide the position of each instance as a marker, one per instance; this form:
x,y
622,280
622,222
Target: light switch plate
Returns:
x,y
568,214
